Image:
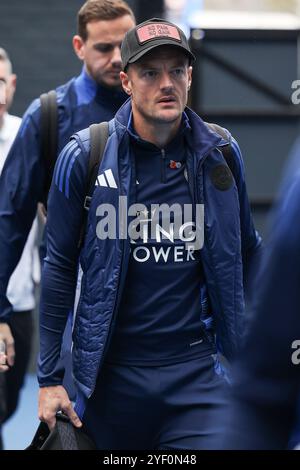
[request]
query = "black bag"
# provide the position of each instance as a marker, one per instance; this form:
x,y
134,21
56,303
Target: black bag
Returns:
x,y
49,143
64,436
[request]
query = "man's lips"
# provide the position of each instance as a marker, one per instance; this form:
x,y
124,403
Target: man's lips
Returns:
x,y
167,99
113,72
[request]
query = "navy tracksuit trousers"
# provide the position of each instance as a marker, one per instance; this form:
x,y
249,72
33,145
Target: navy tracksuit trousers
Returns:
x,y
177,406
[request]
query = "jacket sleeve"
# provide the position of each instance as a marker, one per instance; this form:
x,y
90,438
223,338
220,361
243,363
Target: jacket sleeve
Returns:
x,y
250,239
21,186
64,222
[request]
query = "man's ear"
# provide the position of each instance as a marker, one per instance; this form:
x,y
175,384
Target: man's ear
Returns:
x,y
190,72
78,45
126,84
13,81
10,89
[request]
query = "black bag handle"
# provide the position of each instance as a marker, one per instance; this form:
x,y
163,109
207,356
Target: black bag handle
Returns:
x,y
66,433
64,436
44,439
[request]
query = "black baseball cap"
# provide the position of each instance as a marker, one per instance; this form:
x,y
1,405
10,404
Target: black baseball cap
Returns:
x,y
150,34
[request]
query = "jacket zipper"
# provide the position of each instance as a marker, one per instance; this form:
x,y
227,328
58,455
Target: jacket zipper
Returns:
x,y
163,166
200,199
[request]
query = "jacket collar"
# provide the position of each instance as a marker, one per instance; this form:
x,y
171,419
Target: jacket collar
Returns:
x,y
201,139
175,144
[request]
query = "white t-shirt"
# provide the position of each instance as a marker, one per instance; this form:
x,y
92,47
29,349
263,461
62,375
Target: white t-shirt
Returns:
x,y
8,133
20,291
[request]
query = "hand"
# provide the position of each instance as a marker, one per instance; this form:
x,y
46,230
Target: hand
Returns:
x,y
53,399
7,359
42,213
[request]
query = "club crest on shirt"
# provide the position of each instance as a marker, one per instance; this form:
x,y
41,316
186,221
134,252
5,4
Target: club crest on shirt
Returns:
x,y
221,177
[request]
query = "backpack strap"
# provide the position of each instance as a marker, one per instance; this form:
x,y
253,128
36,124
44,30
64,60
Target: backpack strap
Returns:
x,y
98,137
226,150
49,136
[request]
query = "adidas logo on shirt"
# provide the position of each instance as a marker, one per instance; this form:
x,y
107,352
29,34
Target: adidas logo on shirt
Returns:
x,y
106,180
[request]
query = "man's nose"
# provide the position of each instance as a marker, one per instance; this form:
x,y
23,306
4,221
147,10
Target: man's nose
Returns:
x,y
116,58
166,82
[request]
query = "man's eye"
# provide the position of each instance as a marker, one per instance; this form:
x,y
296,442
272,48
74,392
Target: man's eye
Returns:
x,y
150,74
104,48
178,72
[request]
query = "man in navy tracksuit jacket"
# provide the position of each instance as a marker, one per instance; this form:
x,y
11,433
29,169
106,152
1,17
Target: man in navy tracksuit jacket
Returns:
x,y
144,353
95,95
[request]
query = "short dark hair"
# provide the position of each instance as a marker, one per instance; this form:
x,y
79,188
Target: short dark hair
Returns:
x,y
98,10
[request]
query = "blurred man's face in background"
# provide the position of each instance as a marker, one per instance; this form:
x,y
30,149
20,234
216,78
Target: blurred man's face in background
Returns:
x,y
7,88
101,51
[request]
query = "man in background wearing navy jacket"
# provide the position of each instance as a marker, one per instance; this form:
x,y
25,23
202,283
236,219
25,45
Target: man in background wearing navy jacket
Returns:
x,y
265,405
93,96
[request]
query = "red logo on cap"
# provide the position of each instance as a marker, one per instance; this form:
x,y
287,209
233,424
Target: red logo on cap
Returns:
x,y
156,30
